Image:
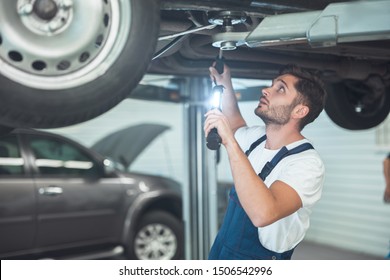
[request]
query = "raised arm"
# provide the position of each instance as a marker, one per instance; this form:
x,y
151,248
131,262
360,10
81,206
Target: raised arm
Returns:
x,y
229,101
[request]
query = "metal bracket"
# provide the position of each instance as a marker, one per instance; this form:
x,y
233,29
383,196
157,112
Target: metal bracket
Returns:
x,y
337,23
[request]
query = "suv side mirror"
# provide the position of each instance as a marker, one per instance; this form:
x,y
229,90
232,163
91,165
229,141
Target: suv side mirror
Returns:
x,y
110,166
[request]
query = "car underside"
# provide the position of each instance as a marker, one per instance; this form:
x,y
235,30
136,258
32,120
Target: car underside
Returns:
x,y
61,65
355,67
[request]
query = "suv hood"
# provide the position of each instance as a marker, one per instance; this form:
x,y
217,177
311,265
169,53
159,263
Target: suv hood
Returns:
x,y
126,144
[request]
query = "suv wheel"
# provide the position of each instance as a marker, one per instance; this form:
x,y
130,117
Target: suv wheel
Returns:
x,y
64,62
159,236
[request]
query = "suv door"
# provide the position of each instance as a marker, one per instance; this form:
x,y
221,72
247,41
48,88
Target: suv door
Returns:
x,y
17,199
77,205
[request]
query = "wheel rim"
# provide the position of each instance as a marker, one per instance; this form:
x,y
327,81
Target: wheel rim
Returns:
x,y
155,242
59,44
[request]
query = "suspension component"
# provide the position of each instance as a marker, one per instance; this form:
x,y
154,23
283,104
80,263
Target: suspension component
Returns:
x,y
228,39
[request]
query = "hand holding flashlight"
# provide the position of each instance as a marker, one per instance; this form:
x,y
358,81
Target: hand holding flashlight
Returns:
x,y
213,140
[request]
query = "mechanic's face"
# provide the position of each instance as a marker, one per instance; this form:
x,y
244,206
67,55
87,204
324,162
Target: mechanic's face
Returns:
x,y
278,101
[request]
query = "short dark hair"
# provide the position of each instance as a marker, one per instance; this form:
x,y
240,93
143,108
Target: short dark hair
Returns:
x,y
311,91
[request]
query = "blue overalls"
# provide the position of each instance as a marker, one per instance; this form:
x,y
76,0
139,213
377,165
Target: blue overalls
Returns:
x,y
238,237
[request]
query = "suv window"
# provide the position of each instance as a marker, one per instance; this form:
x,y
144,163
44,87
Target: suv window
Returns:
x,y
59,158
11,161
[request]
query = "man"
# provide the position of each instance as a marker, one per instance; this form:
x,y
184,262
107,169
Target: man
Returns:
x,y
267,218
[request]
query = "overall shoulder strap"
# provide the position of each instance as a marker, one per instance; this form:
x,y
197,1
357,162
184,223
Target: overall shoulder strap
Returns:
x,y
284,152
255,144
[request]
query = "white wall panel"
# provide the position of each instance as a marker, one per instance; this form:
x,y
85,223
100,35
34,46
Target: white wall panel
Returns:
x,y
351,213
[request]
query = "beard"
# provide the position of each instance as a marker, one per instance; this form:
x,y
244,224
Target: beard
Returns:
x,y
279,115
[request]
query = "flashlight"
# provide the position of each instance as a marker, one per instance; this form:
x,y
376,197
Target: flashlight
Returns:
x,y
216,96
213,140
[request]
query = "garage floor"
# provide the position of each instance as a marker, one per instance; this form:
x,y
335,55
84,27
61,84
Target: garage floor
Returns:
x,y
305,251
313,251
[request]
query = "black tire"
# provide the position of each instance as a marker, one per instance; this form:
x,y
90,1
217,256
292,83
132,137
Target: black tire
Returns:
x,y
357,105
168,245
30,97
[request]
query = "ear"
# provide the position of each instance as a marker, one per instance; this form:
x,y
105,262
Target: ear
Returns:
x,y
300,111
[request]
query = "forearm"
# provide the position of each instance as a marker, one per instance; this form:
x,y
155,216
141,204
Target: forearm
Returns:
x,y
231,110
255,197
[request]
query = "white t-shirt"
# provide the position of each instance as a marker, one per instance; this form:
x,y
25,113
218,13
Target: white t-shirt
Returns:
x,y
303,171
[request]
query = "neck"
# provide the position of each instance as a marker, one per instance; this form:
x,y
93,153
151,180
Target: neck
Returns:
x,y
281,135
